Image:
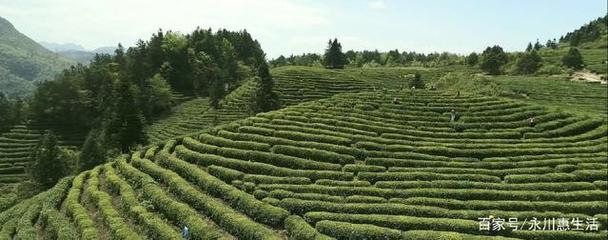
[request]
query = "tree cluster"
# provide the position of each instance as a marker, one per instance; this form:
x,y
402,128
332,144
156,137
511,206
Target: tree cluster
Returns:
x,y
115,96
334,57
49,162
367,58
12,111
587,33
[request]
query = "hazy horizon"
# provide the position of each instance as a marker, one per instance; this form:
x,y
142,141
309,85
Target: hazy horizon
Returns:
x,y
303,26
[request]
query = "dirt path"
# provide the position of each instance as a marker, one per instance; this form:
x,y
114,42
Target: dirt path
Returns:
x,y
587,76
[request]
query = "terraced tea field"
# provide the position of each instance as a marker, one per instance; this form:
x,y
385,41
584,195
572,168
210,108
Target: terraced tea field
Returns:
x,y
293,85
353,166
195,114
557,92
16,146
300,84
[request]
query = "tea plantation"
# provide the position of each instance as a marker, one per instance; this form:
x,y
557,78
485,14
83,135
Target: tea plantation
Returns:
x,y
558,92
351,166
16,146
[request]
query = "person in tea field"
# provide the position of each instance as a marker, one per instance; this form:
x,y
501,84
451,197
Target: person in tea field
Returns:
x,y
186,232
396,100
454,116
532,122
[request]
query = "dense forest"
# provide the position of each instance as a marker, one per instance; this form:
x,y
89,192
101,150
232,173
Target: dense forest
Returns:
x,y
115,96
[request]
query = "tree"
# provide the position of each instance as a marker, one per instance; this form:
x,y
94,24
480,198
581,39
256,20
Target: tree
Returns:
x,y
529,62
47,165
393,57
529,47
278,62
158,94
537,45
6,115
472,59
551,44
126,121
573,59
334,58
266,98
417,82
492,59
93,150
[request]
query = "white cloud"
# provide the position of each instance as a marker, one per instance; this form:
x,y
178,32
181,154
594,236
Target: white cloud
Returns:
x,y
376,5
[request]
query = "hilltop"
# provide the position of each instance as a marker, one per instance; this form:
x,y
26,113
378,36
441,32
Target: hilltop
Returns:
x,y
23,62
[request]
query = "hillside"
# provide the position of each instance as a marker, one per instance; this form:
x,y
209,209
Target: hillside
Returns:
x,y
292,84
592,41
196,115
557,92
15,149
23,62
354,166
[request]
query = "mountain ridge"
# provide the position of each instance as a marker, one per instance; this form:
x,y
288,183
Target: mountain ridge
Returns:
x,y
23,62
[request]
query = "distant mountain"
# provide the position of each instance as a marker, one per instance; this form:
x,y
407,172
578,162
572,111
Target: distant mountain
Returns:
x,y
76,52
62,47
105,50
23,62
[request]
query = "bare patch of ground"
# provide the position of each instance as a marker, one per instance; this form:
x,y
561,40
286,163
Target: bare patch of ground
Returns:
x,y
587,76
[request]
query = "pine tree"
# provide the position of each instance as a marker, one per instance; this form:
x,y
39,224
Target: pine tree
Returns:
x,y
537,45
529,47
266,98
126,120
93,150
334,58
46,165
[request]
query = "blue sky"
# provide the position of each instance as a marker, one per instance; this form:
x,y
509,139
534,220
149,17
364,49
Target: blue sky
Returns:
x,y
299,26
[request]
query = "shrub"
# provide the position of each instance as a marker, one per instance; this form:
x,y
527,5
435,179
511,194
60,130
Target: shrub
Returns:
x,y
154,226
399,222
342,230
298,229
265,179
276,159
239,200
112,219
355,183
424,176
223,142
225,174
77,212
255,167
589,208
281,194
573,59
173,210
314,154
